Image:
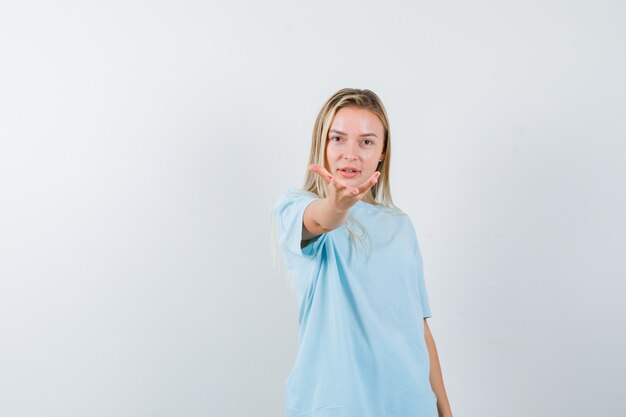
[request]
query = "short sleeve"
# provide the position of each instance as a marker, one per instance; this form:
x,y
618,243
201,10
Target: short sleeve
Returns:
x,y
288,216
423,294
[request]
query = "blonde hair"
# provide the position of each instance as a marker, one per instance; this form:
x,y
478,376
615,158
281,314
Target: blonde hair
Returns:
x,y
380,193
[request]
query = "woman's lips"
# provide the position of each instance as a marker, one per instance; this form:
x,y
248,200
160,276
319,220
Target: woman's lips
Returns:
x,y
348,172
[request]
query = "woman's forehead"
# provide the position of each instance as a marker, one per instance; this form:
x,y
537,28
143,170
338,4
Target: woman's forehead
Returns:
x,y
354,120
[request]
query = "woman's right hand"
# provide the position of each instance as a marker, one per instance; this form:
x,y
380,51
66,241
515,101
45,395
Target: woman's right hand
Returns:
x,y
326,214
340,196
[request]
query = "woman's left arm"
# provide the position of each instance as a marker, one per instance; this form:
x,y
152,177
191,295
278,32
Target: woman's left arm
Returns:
x,y
436,378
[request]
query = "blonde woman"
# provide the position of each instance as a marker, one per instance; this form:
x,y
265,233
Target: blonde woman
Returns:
x,y
365,349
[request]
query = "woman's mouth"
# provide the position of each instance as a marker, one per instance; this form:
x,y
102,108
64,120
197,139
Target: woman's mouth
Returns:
x,y
349,172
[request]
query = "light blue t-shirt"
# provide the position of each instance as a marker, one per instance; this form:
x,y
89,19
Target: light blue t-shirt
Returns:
x,y
362,351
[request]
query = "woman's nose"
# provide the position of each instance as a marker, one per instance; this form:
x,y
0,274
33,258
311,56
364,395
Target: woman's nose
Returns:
x,y
351,152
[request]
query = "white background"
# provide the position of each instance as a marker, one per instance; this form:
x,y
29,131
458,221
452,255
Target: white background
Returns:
x,y
143,143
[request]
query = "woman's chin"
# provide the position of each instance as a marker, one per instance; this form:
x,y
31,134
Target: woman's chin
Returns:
x,y
354,183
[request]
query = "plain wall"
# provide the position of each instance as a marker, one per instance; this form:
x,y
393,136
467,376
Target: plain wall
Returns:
x,y
143,144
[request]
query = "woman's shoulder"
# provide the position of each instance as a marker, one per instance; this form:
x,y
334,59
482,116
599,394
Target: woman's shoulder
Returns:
x,y
293,197
393,215
390,209
291,194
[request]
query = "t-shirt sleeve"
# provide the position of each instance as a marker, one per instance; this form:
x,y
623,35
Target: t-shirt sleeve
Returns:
x,y
288,215
423,294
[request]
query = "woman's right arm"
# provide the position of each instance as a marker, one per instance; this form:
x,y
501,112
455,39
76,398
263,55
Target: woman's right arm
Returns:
x,y
326,214
321,217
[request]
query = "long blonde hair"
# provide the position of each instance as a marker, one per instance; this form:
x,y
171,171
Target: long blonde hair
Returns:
x,y
380,193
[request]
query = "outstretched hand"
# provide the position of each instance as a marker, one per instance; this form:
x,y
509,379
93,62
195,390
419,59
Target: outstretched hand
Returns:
x,y
338,192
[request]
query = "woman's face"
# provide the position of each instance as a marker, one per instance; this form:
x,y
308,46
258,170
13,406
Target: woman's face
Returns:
x,y
355,145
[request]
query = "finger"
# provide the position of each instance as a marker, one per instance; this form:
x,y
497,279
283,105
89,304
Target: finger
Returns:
x,y
368,184
322,172
327,177
337,184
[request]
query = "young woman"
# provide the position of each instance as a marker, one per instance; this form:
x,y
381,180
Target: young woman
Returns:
x,y
365,349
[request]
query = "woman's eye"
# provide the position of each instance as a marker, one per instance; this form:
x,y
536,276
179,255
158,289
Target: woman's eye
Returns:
x,y
368,141
335,138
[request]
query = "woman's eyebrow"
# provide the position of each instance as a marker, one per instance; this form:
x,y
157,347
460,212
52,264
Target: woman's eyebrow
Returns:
x,y
345,134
